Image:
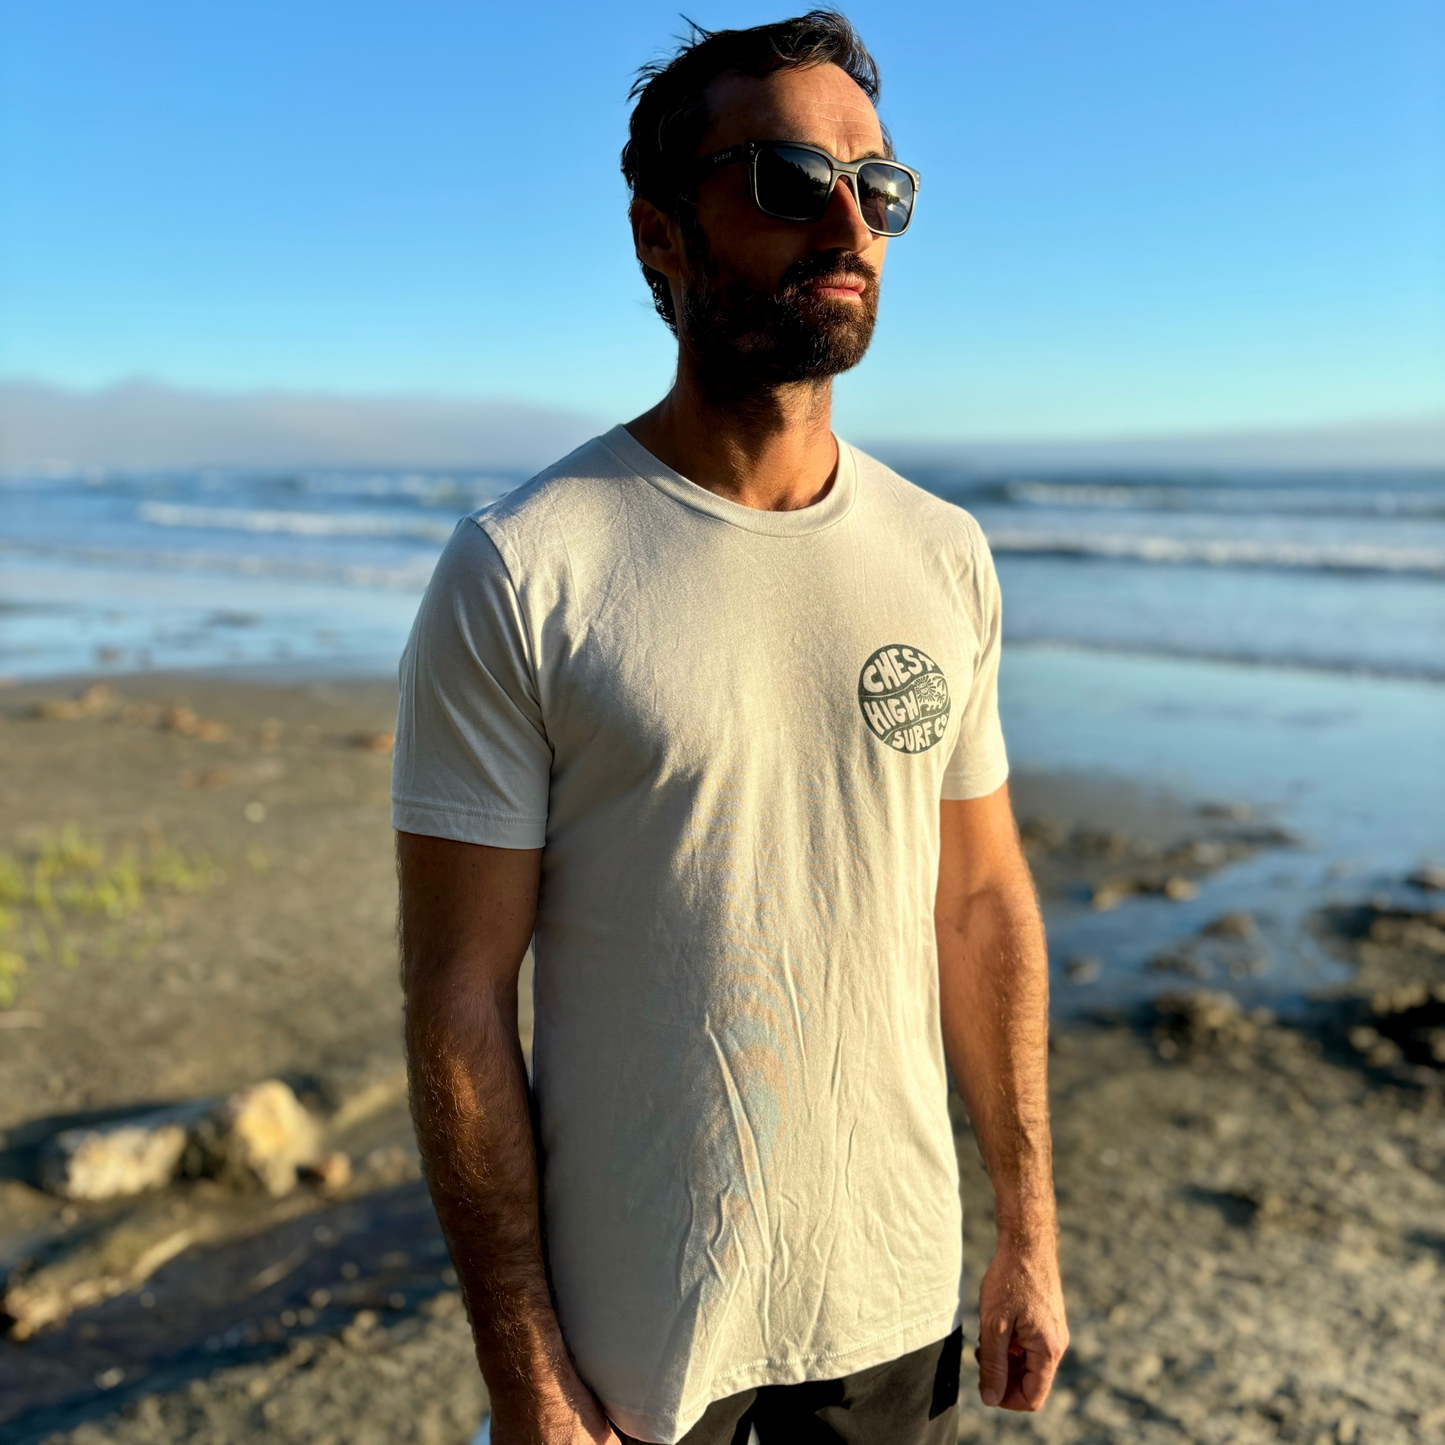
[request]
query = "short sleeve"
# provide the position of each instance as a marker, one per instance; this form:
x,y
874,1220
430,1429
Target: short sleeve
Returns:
x,y
472,760
979,763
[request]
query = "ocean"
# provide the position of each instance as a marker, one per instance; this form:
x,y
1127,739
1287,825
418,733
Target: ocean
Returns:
x,y
1272,639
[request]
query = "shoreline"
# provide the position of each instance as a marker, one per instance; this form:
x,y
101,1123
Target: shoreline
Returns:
x,y
1249,1207
364,667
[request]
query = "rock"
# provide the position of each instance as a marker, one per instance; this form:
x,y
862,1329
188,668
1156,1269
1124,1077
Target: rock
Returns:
x,y
1431,876
97,700
1231,925
113,1160
261,1134
1200,1022
1083,970
180,718
1112,892
363,1323
207,777
1102,843
1248,965
183,719
1184,961
331,1171
1408,1026
1407,996
1379,1052
390,1164
1041,835
1409,927
374,742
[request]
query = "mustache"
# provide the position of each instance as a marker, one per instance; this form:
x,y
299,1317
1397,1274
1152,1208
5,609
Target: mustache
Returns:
x,y
828,265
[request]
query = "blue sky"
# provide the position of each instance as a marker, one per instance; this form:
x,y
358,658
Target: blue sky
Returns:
x,y
1136,216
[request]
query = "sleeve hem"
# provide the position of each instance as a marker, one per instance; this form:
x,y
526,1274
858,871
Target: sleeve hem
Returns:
x,y
961,790
467,825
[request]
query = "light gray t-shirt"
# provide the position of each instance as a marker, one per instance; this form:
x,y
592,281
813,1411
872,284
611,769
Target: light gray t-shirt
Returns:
x,y
730,730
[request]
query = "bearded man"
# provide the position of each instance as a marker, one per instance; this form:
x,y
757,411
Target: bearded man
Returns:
x,y
707,713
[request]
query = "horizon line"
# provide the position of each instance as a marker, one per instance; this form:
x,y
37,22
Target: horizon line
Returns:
x,y
1359,425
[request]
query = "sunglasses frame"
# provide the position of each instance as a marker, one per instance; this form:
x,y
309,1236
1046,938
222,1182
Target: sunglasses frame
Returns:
x,y
749,151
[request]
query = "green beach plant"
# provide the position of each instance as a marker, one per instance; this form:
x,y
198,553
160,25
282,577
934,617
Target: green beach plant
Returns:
x,y
71,879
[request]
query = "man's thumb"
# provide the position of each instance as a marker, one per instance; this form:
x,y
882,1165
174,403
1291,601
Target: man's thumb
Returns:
x,y
993,1360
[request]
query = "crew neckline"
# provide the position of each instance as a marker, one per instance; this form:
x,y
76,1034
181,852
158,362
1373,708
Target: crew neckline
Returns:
x,y
799,523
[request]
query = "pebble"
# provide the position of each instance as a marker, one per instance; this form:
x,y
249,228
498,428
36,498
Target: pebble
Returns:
x,y
374,742
1236,812
1232,925
331,1171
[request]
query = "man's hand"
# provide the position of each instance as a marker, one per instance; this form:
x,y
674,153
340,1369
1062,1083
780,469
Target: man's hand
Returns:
x,y
1021,1330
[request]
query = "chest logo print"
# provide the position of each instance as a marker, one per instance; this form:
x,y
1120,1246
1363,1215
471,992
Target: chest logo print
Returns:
x,y
904,697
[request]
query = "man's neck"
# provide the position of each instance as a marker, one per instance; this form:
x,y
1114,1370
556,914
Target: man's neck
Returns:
x,y
772,450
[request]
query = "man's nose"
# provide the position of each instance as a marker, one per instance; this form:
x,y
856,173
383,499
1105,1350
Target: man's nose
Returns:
x,y
842,223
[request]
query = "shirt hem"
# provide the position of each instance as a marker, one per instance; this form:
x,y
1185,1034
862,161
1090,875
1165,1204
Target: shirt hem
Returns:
x,y
965,788
467,825
892,1344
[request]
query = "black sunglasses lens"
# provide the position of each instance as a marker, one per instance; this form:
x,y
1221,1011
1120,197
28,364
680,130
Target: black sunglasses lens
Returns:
x,y
885,197
793,184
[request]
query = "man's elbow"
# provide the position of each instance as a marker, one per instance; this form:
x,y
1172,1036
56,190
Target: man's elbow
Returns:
x,y
454,990
1003,897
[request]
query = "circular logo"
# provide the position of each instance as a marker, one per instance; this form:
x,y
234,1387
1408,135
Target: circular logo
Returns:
x,y
904,697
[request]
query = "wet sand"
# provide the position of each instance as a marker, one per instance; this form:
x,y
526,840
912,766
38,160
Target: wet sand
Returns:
x,y
1253,1212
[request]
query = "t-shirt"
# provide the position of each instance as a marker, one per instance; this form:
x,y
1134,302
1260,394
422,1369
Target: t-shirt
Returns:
x,y
729,730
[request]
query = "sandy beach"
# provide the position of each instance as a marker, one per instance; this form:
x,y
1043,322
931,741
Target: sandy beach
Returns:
x,y
199,895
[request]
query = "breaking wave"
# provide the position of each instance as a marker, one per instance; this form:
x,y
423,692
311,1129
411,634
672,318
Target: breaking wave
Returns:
x,y
294,524
1226,551
1315,501
406,577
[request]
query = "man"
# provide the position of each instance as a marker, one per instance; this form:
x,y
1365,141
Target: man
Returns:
x,y
708,710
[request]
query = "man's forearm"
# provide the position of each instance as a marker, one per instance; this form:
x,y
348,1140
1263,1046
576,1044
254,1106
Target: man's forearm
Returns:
x,y
993,983
471,1105
993,971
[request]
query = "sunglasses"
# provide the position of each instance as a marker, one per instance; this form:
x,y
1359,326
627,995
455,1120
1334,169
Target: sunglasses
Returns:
x,y
794,182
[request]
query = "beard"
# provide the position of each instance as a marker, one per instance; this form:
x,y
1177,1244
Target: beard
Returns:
x,y
745,341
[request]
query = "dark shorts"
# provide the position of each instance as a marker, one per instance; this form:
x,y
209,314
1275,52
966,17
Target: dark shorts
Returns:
x,y
912,1400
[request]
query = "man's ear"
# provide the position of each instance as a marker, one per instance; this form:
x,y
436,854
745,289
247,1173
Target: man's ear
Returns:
x,y
656,239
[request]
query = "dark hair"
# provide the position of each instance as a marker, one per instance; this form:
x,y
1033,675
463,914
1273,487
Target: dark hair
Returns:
x,y
670,116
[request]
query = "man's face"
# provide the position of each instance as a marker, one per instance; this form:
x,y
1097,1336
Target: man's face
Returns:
x,y
763,302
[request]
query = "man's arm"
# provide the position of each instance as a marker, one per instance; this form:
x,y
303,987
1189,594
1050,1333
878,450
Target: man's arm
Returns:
x,y
994,995
467,914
